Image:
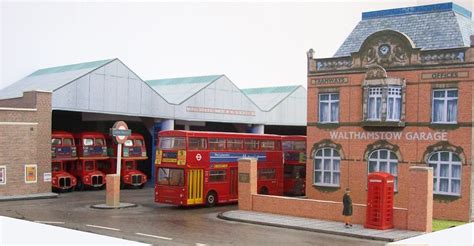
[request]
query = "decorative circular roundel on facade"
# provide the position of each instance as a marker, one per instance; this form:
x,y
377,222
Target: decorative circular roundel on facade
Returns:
x,y
384,50
198,157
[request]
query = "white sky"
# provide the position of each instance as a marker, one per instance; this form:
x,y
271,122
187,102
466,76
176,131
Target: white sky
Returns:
x,y
254,44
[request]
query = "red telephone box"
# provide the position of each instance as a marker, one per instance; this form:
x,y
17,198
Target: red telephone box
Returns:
x,y
379,214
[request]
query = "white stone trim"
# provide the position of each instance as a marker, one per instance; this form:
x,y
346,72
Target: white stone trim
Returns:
x,y
18,109
19,123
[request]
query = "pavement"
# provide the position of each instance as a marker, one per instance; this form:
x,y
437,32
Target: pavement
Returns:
x,y
314,225
29,197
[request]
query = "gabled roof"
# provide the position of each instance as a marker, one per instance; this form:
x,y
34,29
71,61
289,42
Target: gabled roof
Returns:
x,y
437,26
178,90
50,79
267,98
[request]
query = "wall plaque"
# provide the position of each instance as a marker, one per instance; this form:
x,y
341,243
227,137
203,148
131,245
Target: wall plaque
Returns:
x,y
445,75
330,80
244,177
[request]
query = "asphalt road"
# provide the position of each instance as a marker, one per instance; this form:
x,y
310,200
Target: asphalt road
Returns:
x,y
160,224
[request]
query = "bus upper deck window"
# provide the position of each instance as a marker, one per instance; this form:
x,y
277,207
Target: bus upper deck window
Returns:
x,y
55,141
268,145
172,143
235,144
88,141
67,142
216,143
138,142
251,144
197,143
128,143
99,141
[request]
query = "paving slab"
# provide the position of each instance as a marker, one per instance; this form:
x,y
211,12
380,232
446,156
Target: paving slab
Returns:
x,y
323,226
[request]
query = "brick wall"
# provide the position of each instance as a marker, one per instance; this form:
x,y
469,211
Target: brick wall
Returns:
x,y
25,137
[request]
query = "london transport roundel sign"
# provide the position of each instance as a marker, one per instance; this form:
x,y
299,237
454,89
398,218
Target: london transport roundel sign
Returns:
x,y
120,132
198,157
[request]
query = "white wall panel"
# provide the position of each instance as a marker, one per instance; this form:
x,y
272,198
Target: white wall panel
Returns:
x,y
97,91
82,92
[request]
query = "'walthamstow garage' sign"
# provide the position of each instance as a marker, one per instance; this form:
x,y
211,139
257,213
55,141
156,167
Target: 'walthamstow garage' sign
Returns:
x,y
409,136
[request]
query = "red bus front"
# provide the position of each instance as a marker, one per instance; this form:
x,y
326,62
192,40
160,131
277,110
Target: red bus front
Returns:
x,y
201,167
133,151
92,152
63,154
294,148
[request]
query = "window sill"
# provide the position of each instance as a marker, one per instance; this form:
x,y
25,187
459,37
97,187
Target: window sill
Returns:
x,y
383,123
327,125
437,125
326,186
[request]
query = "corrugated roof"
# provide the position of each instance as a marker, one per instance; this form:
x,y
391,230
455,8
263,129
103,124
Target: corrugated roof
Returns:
x,y
71,67
50,79
177,90
267,98
437,26
264,90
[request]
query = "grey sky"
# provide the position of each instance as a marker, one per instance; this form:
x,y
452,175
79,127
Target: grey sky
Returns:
x,y
254,44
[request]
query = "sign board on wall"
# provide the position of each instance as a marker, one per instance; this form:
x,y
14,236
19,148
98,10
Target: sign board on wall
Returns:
x,y
31,173
47,177
3,175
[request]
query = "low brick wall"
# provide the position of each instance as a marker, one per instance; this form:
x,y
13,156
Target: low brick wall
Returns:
x,y
318,209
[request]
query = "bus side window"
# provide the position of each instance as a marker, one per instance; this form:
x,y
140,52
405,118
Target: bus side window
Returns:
x,y
217,175
266,173
216,143
251,144
267,145
235,144
197,143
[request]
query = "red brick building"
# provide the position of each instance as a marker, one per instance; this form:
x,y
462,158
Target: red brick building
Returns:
x,y
398,93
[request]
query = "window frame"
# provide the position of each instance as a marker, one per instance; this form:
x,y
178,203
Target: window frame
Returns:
x,y
329,101
437,171
393,89
220,173
445,99
331,170
389,162
375,96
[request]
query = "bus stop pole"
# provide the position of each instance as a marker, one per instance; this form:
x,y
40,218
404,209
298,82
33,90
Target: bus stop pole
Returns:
x,y
119,158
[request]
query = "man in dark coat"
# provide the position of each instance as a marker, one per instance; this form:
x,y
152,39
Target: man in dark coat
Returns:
x,y
347,211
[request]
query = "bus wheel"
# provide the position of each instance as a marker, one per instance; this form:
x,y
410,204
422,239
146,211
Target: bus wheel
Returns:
x,y
141,186
122,185
211,199
263,191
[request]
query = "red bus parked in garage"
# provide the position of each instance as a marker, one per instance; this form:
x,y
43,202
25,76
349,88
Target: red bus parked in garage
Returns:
x,y
92,151
294,149
63,154
133,150
201,167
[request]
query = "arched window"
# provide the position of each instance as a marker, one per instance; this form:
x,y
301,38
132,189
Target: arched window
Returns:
x,y
446,173
384,160
327,167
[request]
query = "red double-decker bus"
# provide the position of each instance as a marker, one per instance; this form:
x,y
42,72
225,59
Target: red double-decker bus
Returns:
x,y
294,149
201,167
63,155
133,151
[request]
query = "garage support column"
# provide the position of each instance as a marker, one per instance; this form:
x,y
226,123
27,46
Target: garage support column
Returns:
x,y
167,125
258,129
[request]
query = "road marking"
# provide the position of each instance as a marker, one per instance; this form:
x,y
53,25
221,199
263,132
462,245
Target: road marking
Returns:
x,y
201,244
49,222
103,227
153,236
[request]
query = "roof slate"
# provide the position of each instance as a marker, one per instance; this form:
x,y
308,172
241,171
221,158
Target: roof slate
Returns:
x,y
439,28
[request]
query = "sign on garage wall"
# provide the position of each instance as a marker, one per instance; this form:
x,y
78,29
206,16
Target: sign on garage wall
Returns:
x,y
31,173
47,177
3,175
